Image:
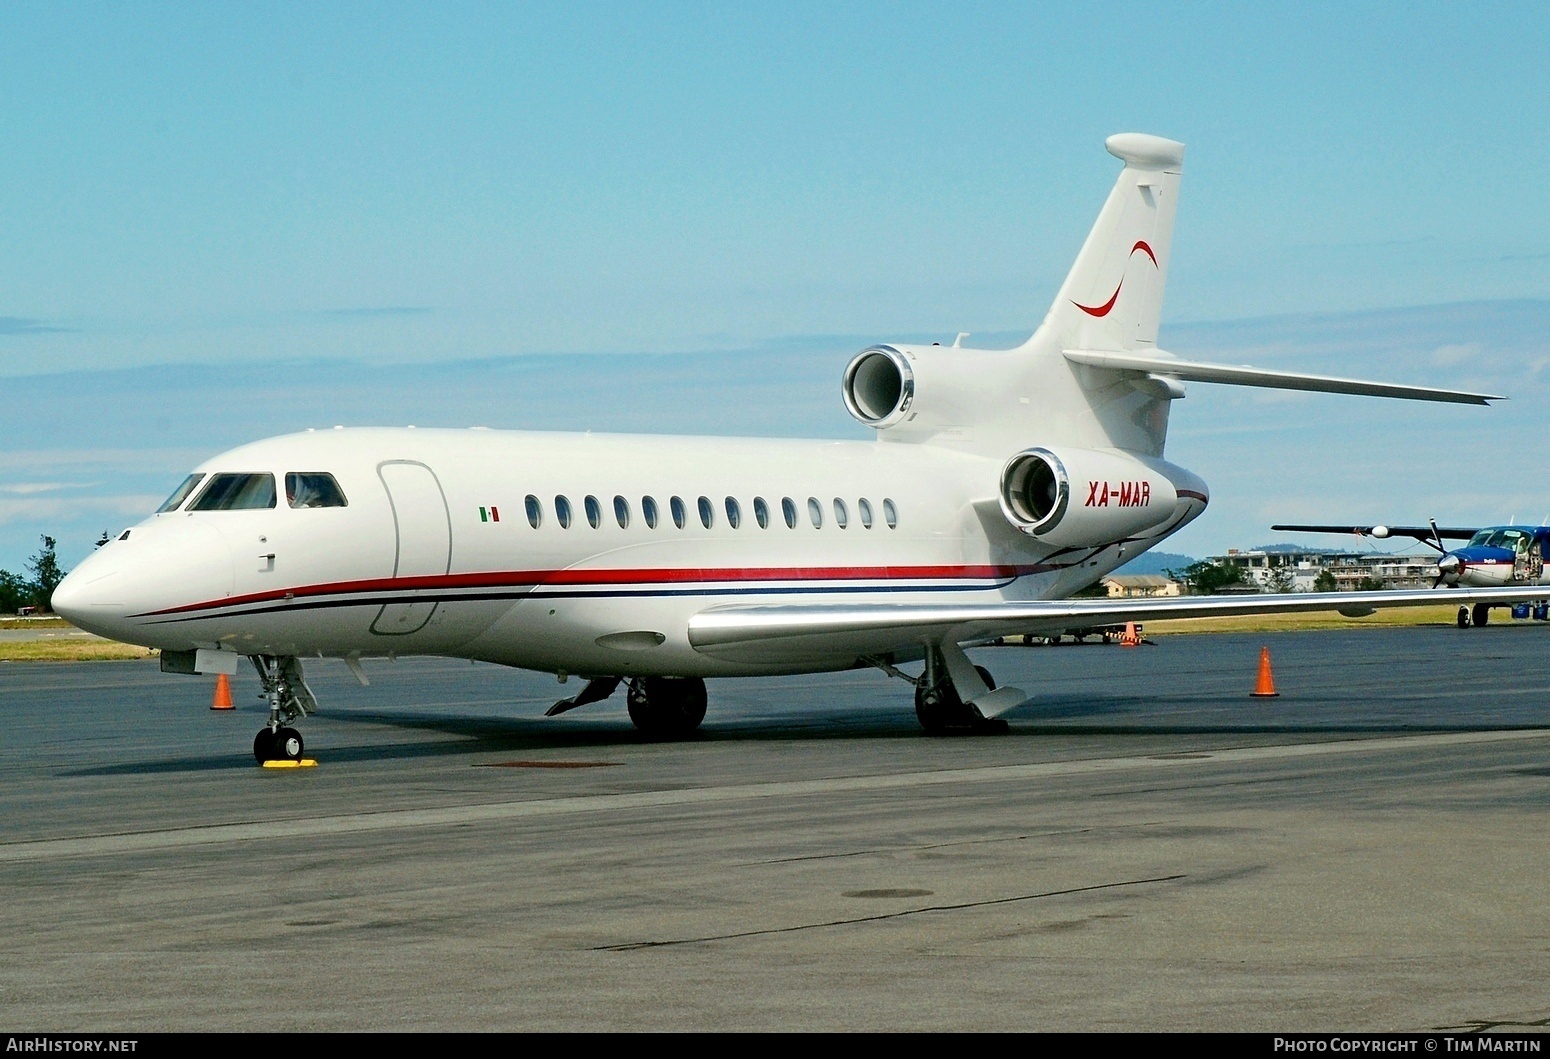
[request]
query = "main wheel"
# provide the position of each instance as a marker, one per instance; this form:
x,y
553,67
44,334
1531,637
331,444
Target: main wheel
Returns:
x,y
940,710
1463,617
1481,614
287,745
666,707
264,746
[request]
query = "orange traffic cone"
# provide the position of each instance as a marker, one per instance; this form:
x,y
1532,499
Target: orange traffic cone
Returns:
x,y
222,700
1130,638
1265,686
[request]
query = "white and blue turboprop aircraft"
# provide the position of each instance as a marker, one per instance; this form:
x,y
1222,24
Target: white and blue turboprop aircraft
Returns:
x,y
1492,557
999,484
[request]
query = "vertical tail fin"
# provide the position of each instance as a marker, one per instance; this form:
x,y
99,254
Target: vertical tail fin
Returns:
x,y
1112,298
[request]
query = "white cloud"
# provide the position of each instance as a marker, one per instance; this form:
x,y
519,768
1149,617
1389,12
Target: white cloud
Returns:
x,y
1456,353
54,507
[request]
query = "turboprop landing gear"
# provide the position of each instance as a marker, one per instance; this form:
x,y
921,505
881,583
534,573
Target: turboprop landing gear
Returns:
x,y
667,707
1463,617
289,698
942,711
1481,614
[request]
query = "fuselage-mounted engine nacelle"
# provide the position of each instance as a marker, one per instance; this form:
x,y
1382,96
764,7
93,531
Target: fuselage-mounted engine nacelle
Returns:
x,y
879,386
1083,498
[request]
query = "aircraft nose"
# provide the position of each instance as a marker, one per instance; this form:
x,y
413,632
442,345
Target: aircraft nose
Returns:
x,y
1448,569
155,567
84,597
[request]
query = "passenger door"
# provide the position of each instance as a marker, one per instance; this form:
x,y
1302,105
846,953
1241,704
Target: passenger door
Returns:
x,y
424,534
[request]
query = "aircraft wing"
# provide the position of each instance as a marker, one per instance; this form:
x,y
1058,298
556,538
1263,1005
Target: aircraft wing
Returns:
x,y
1237,375
1424,534
800,633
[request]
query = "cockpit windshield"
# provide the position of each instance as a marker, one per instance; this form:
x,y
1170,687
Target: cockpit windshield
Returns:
x,y
236,492
1497,538
313,489
180,494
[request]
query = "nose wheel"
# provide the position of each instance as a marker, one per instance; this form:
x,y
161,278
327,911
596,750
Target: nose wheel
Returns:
x,y
277,744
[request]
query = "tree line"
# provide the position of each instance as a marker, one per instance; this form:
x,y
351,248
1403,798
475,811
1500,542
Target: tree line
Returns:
x,y
36,587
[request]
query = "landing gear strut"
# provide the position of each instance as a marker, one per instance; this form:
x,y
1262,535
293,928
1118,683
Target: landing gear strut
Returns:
x,y
289,698
667,707
942,711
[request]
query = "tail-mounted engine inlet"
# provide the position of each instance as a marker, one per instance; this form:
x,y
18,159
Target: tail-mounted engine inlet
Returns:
x,y
1035,490
879,386
1086,498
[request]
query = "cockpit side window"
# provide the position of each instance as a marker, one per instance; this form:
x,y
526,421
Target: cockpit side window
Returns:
x,y
180,494
236,492
313,489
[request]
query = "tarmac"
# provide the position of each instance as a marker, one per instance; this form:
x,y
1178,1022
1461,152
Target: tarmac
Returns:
x,y
1149,848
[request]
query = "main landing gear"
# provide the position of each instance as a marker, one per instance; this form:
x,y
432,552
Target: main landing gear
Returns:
x,y
942,711
289,698
666,707
661,707
1479,615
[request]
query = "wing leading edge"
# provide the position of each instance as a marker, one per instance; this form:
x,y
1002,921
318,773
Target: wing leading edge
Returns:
x,y
798,634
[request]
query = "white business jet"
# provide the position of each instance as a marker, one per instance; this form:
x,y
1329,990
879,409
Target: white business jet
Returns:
x,y
999,484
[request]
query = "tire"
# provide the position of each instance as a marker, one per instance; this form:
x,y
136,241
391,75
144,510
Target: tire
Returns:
x,y
942,712
667,707
264,746
1463,617
1481,614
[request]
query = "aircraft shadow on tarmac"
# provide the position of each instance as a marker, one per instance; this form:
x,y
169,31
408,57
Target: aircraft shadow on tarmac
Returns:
x,y
474,736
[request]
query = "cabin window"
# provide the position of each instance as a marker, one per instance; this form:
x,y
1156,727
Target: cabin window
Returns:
x,y
788,508
864,508
622,512
594,512
841,515
180,494
648,511
313,489
890,514
707,512
734,513
815,512
761,512
535,511
680,515
236,492
562,512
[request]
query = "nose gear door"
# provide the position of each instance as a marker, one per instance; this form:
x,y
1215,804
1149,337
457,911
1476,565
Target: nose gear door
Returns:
x,y
424,534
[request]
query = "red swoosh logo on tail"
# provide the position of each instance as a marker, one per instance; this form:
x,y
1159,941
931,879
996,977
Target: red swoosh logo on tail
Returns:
x,y
1103,310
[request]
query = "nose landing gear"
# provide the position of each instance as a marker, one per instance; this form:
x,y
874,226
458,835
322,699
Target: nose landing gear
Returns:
x,y
289,698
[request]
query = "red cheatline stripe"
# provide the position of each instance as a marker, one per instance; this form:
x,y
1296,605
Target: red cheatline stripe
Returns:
x,y
615,577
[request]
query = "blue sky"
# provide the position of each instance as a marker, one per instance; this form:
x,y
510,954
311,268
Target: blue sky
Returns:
x,y
385,187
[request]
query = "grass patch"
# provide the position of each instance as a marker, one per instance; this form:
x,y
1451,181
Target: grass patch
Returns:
x,y
71,651
34,623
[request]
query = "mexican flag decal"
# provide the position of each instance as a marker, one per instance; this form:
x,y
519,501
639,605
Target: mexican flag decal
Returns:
x,y
489,514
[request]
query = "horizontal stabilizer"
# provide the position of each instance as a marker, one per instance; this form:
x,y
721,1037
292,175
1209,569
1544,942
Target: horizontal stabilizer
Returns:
x,y
1196,371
